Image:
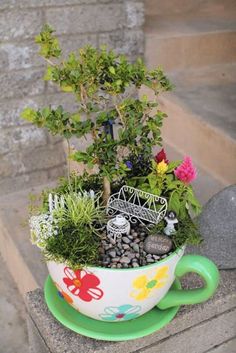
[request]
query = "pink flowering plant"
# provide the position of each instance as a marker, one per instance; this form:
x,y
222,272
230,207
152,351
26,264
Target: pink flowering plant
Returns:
x,y
171,180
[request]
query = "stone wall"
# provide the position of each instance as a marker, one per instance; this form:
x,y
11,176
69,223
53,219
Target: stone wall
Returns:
x,y
29,156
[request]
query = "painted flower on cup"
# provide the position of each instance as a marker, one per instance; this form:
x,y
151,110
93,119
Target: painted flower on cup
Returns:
x,y
161,156
83,284
120,313
186,172
145,286
63,294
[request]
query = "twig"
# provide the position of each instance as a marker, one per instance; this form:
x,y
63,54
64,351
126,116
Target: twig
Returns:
x,y
50,62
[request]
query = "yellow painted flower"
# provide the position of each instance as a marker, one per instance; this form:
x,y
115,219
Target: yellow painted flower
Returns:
x,y
144,286
162,167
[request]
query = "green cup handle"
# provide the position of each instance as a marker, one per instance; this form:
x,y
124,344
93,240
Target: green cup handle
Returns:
x,y
205,269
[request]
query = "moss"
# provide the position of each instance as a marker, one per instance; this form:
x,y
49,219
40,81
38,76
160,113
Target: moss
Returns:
x,y
75,247
187,232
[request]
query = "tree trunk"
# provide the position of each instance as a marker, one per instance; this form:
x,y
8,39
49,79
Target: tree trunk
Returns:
x,y
106,190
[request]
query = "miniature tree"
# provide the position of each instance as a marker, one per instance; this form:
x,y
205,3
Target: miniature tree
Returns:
x,y
102,83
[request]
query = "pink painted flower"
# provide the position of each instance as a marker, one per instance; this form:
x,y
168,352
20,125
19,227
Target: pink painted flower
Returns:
x,y
186,172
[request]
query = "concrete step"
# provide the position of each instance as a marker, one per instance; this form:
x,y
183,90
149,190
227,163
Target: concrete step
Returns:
x,y
203,328
189,42
188,8
24,261
202,120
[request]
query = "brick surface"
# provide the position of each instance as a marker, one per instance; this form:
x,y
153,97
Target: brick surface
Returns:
x,y
75,42
82,19
23,55
43,158
57,172
5,4
16,138
134,42
16,24
21,84
13,184
113,40
116,23
134,13
10,110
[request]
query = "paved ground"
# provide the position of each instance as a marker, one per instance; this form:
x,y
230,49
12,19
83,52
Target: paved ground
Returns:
x,y
13,330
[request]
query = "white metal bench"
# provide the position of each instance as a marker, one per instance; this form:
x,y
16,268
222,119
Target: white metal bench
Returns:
x,y
137,205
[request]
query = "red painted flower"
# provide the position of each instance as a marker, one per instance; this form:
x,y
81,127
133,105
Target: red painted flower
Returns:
x,y
161,156
82,284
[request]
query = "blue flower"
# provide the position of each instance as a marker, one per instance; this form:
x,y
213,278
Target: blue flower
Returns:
x,y
129,164
120,313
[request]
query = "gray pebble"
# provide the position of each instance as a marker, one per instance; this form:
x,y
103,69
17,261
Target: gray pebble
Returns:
x,y
131,255
130,237
126,240
112,253
115,259
119,265
135,247
125,260
105,258
108,246
105,263
135,264
137,240
113,266
135,234
149,260
126,246
156,257
137,255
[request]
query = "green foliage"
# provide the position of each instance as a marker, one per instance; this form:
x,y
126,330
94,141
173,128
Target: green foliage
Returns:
x,y
79,211
77,247
186,234
77,221
49,45
180,196
101,81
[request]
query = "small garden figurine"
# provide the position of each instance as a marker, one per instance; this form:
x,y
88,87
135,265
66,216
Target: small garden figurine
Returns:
x,y
171,220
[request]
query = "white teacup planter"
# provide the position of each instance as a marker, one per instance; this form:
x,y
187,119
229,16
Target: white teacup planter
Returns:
x,y
123,294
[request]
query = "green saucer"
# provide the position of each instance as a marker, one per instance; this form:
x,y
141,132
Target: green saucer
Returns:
x,y
144,325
